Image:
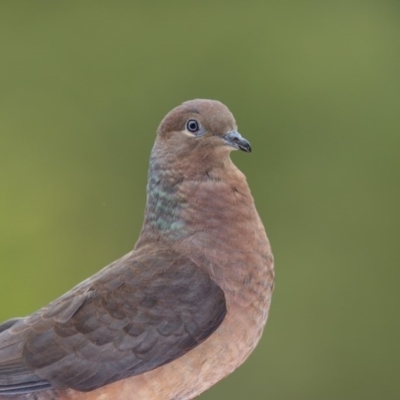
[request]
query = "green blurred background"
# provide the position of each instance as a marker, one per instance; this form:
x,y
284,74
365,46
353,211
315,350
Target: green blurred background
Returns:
x,y
314,86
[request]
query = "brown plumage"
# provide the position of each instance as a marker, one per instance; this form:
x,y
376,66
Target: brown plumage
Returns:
x,y
182,310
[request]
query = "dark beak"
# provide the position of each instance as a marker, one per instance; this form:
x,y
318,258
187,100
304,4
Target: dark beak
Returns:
x,y
235,139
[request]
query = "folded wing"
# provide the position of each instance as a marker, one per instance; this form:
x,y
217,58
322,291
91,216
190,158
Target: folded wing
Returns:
x,y
141,312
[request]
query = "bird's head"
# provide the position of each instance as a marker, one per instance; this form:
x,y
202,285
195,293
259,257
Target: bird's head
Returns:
x,y
199,126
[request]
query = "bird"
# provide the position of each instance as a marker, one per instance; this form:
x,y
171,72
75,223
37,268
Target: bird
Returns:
x,y
179,312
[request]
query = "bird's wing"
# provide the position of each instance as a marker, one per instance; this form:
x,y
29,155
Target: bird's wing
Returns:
x,y
143,311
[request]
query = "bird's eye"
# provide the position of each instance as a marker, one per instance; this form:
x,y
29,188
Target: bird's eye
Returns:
x,y
192,126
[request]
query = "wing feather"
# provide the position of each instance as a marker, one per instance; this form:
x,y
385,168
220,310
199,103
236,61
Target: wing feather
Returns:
x,y
143,311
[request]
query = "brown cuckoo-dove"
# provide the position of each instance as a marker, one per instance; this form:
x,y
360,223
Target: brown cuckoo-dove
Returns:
x,y
179,312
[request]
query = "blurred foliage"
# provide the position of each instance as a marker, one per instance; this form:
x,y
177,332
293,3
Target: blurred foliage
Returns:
x,y
314,86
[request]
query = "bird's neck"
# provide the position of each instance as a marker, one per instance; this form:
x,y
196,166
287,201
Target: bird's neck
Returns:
x,y
205,196
175,184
